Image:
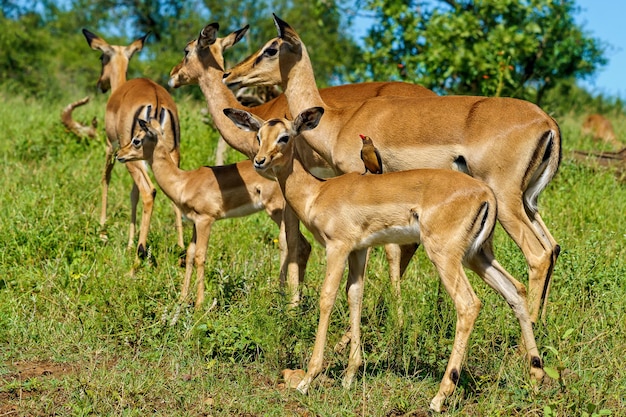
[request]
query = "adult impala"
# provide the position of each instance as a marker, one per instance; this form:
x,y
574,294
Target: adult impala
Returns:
x,y
511,145
203,64
452,214
127,100
206,194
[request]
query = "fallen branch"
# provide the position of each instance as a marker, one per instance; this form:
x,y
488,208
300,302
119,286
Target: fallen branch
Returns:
x,y
614,160
79,129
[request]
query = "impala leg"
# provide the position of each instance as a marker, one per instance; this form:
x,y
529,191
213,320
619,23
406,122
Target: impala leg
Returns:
x,y
175,155
335,265
467,307
298,251
147,192
539,248
514,293
106,179
134,200
354,290
203,230
541,226
189,259
398,258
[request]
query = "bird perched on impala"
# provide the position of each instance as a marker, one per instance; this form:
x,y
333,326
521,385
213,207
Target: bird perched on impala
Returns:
x,y
371,156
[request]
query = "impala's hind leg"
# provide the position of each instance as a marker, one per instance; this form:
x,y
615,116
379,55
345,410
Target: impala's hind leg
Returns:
x,y
467,307
484,264
538,246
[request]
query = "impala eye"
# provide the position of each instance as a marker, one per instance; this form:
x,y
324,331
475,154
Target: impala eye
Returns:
x,y
271,51
258,139
283,139
136,142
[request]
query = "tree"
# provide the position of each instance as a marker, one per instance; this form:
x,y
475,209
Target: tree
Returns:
x,y
45,52
481,47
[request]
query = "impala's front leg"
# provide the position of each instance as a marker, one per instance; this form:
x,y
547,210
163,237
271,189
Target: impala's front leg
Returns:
x,y
203,230
106,179
148,193
175,155
335,265
293,267
189,257
354,290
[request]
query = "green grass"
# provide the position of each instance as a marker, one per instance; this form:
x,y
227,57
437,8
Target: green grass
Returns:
x,y
80,336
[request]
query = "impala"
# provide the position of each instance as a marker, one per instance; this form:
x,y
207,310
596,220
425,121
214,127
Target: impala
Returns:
x,y
206,194
451,214
511,145
127,100
203,64
601,129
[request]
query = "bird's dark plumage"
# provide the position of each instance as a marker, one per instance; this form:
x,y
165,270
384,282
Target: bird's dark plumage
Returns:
x,y
371,156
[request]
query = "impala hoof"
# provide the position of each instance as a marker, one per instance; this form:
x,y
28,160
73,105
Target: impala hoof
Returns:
x,y
303,387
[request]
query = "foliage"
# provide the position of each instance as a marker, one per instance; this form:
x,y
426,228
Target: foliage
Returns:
x,y
488,47
46,53
105,345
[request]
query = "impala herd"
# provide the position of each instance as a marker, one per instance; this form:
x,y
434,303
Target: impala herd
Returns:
x,y
451,166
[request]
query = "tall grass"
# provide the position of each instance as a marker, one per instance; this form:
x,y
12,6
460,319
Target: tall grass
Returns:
x,y
69,306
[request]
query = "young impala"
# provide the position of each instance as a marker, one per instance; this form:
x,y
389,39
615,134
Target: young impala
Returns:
x,y
601,130
203,64
451,214
206,194
511,145
127,100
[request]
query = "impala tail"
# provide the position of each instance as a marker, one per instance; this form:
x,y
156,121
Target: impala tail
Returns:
x,y
543,167
482,227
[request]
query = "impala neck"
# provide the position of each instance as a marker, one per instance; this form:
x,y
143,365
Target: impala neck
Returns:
x,y
299,85
297,184
118,73
166,173
302,93
219,97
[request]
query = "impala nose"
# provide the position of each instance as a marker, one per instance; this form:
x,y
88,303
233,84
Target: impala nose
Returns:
x,y
258,163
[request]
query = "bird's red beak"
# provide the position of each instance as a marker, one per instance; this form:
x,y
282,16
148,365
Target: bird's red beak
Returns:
x,y
362,137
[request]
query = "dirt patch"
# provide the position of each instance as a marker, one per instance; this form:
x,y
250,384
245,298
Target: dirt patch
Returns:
x,y
15,387
27,370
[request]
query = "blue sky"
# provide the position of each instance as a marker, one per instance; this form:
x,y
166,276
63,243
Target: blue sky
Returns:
x,y
604,19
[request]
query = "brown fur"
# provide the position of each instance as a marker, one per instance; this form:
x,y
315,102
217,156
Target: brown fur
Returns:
x,y
127,100
511,145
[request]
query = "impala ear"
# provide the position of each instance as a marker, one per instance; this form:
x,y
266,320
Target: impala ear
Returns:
x,y
286,32
136,46
208,35
144,125
308,119
234,37
96,42
244,120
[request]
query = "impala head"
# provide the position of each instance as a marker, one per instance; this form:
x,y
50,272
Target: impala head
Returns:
x,y
147,135
114,59
275,136
206,52
265,66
